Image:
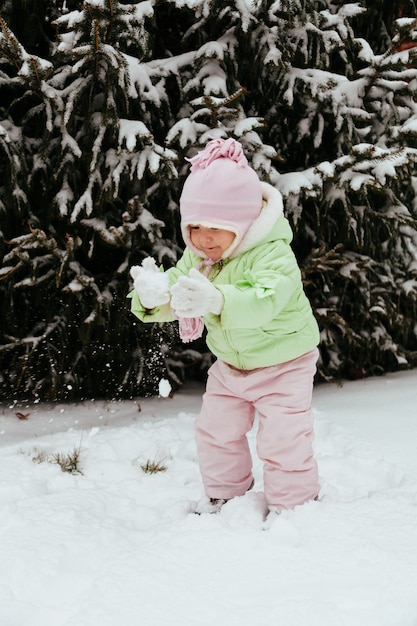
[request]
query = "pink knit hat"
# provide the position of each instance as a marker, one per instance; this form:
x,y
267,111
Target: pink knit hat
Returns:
x,y
221,191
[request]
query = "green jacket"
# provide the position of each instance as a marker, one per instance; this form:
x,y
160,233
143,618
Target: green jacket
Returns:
x,y
266,318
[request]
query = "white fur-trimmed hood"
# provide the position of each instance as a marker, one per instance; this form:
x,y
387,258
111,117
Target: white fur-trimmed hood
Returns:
x,y
271,211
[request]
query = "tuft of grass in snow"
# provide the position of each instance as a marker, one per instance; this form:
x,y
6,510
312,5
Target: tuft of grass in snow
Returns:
x,y
40,456
153,467
68,462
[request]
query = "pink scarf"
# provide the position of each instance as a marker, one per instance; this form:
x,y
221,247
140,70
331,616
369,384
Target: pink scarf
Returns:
x,y
191,328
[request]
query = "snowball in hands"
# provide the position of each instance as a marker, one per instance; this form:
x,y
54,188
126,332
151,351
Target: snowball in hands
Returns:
x,y
151,285
194,295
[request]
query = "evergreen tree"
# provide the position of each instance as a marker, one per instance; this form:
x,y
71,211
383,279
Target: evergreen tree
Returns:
x,y
91,166
327,101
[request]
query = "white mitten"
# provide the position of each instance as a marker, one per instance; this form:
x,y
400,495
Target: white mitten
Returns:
x,y
151,285
194,296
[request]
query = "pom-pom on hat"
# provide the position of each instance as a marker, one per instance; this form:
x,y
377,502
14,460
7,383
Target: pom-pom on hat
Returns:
x,y
221,191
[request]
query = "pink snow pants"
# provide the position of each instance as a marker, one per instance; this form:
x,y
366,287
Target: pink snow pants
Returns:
x,y
281,394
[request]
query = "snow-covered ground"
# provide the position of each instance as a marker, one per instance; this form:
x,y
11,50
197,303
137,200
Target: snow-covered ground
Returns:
x,y
115,546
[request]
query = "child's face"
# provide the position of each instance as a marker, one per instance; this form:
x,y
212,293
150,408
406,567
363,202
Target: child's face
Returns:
x,y
212,241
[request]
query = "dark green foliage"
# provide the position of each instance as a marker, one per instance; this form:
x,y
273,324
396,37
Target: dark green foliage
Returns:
x,y
99,104
73,209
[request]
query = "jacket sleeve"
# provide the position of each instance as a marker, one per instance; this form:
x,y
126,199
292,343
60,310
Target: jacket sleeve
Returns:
x,y
268,287
161,313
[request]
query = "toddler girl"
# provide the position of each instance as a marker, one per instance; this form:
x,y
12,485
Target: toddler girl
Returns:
x,y
239,277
